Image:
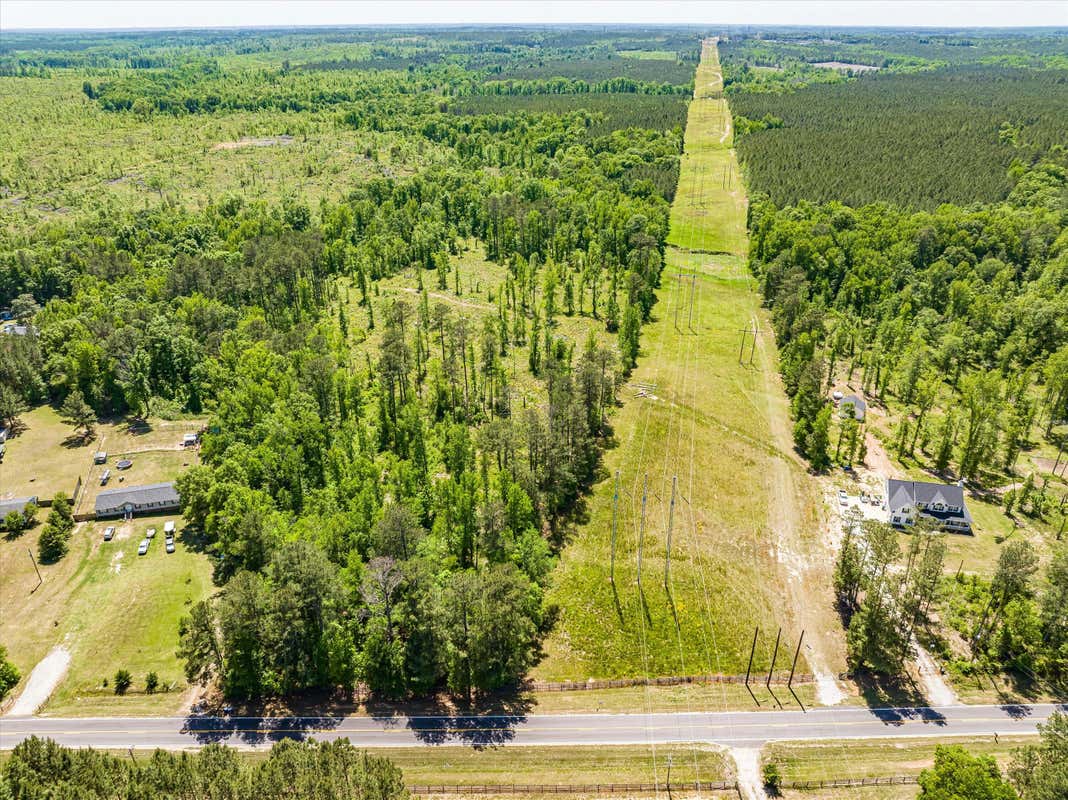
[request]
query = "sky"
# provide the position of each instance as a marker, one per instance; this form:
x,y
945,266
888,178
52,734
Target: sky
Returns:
x,y
115,14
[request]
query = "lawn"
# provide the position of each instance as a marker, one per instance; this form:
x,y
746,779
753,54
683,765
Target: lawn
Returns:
x,y
689,411
47,456
877,758
111,608
44,458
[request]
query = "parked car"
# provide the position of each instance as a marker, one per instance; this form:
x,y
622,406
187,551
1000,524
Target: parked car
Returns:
x,y
168,527
843,498
143,548
105,477
170,545
150,533
109,533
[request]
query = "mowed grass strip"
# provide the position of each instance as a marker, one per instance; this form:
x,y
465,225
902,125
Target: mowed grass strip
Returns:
x,y
875,758
701,417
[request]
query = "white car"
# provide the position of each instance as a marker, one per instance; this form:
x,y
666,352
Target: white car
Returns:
x,y
150,533
109,533
843,498
168,527
143,547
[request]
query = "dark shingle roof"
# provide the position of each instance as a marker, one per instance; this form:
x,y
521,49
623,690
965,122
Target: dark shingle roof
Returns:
x,y
860,408
153,494
907,493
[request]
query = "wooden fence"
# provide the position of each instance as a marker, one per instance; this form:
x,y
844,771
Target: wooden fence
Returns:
x,y
756,679
650,788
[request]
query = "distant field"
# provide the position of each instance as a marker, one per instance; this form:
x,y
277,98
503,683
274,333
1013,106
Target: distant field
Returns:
x,y
110,607
649,55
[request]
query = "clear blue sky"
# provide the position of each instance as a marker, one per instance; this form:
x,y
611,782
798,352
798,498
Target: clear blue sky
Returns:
x,y
112,14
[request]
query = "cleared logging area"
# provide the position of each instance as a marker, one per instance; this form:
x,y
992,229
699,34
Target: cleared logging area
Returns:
x,y
691,412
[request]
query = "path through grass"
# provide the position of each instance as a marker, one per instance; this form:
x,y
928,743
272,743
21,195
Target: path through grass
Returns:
x,y
690,413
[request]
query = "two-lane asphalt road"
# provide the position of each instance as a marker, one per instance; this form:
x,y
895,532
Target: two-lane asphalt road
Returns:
x,y
729,728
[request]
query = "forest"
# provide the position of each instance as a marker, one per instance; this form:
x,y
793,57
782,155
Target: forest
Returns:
x,y
937,286
40,768
382,489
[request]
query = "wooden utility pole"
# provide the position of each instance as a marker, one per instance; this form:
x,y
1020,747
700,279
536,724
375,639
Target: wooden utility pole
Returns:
x,y
752,349
641,529
752,650
741,349
774,656
797,652
40,580
671,521
693,289
615,515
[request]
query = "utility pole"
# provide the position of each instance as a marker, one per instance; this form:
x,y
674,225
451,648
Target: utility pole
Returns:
x,y
745,332
641,530
752,350
693,289
40,580
671,521
797,652
750,668
615,515
774,655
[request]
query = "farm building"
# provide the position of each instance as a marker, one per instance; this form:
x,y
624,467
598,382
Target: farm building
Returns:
x,y
15,504
942,502
857,404
152,498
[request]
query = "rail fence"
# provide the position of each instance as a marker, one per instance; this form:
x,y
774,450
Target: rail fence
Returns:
x,y
779,678
681,786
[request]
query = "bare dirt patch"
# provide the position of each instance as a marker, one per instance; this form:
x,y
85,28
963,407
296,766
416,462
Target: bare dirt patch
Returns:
x,y
254,141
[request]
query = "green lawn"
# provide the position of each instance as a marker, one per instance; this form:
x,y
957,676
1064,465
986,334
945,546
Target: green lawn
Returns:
x,y
876,758
649,55
110,607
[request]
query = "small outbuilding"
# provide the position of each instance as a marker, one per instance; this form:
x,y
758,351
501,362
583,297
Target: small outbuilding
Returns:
x,y
127,501
100,457
855,404
190,440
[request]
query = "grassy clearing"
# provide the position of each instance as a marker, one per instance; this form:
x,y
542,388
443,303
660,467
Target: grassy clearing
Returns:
x,y
48,457
94,159
705,419
657,699
649,55
876,758
112,609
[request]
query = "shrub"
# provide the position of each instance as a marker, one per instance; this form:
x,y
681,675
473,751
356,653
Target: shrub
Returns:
x,y
772,777
151,682
9,674
123,681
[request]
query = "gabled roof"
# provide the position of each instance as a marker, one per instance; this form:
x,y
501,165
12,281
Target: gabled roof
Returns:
x,y
156,494
907,493
15,504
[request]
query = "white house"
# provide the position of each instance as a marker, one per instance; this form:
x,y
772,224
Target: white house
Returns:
x,y
941,502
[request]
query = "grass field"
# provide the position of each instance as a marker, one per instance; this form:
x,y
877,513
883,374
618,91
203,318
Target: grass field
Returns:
x,y
877,758
707,420
95,159
47,456
111,608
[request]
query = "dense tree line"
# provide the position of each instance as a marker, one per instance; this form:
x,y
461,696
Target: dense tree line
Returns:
x,y
963,304
383,495
593,70
39,768
962,128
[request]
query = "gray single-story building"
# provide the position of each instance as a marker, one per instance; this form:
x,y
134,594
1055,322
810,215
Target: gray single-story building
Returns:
x,y
153,498
941,502
16,504
857,404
